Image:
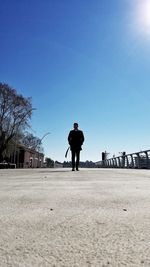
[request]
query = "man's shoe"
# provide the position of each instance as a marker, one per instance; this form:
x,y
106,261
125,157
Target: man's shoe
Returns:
x,y
73,169
77,169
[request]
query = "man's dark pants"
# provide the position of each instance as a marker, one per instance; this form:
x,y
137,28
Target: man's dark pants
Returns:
x,y
75,154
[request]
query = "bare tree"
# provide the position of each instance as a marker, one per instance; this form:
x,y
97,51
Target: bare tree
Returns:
x,y
15,113
32,142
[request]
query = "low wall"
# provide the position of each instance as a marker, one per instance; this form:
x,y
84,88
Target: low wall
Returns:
x,y
7,166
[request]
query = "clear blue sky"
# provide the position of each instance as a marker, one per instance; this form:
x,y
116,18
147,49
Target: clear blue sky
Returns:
x,y
81,61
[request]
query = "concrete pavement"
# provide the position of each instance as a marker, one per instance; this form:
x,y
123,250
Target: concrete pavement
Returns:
x,y
55,217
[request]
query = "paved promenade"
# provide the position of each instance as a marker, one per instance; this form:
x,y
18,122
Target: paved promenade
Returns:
x,y
55,217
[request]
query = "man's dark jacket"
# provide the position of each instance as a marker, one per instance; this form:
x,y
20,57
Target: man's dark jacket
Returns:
x,y
76,139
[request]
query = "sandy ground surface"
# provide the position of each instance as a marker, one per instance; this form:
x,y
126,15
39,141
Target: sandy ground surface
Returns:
x,y
55,217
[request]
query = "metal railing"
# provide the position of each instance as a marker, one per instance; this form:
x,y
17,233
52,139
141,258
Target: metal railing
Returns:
x,y
137,160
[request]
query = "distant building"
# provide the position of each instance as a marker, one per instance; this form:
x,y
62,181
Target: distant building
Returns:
x,y
25,157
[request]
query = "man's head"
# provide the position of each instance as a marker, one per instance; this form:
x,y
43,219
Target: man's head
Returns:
x,y
75,126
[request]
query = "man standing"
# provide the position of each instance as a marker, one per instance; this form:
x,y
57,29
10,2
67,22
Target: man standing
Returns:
x,y
75,139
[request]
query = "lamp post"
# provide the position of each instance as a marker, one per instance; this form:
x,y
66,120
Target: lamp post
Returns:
x,y
40,144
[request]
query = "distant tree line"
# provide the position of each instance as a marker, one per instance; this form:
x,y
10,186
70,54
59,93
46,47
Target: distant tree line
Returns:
x,y
83,164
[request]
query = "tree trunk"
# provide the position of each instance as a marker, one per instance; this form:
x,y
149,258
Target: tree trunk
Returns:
x,y
2,149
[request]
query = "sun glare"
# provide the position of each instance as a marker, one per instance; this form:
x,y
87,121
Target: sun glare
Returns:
x,y
143,17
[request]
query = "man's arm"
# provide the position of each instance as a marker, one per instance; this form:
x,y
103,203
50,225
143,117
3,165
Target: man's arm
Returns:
x,y
82,138
69,138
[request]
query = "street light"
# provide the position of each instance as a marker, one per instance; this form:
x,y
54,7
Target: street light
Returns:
x,y
44,136
40,143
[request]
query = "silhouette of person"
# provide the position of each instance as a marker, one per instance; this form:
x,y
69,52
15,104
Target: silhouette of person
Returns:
x,y
75,140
